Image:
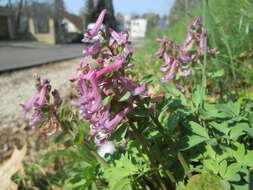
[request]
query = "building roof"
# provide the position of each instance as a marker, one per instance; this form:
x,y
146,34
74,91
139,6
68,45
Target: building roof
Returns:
x,y
76,20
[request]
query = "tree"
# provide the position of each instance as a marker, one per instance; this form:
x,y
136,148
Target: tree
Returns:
x,y
16,7
59,9
109,18
180,9
88,12
152,18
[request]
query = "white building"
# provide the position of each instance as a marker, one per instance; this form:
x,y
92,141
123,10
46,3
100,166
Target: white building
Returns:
x,y
72,23
127,23
73,28
138,28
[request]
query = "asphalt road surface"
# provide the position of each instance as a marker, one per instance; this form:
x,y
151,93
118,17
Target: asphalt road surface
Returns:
x,y
23,56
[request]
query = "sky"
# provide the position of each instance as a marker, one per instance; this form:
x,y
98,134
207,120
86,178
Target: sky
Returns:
x,y
128,6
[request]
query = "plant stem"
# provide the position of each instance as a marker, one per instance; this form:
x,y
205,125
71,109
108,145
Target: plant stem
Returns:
x,y
146,147
180,156
96,155
203,67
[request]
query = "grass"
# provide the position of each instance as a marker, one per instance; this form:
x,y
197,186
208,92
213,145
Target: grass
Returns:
x,y
229,27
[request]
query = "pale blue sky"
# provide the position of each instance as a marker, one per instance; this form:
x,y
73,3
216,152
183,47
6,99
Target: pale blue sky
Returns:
x,y
128,6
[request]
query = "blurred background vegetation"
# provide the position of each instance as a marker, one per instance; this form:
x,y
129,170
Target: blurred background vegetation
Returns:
x,y
229,27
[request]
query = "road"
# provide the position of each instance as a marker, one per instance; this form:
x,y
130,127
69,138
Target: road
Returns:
x,y
19,56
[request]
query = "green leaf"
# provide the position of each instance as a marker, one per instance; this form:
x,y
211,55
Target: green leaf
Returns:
x,y
125,97
123,184
232,172
218,73
223,168
212,165
226,185
250,117
221,127
240,129
123,169
241,187
93,63
191,141
198,129
94,186
204,181
239,153
164,115
248,158
69,186
222,111
197,97
79,137
62,137
210,152
234,108
107,100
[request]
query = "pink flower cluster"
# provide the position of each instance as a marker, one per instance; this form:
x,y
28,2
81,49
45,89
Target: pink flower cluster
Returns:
x,y
106,93
39,106
180,59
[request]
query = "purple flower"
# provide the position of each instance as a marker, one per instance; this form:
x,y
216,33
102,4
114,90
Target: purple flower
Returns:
x,y
196,21
163,43
121,37
187,72
57,98
185,57
90,34
28,107
171,73
139,90
168,61
120,59
39,107
112,124
42,97
189,42
93,49
177,58
35,104
123,143
101,74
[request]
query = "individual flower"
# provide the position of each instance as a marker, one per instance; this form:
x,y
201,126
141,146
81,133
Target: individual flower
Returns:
x,y
89,34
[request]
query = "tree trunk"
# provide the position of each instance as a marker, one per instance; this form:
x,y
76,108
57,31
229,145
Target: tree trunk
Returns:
x,y
18,15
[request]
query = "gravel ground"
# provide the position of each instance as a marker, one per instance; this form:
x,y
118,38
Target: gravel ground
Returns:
x,y
16,87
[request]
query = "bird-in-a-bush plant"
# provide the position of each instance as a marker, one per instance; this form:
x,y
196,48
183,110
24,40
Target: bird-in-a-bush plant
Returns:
x,y
162,141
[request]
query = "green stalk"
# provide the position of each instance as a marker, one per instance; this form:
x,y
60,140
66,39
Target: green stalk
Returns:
x,y
205,4
146,147
173,145
168,173
96,155
186,7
